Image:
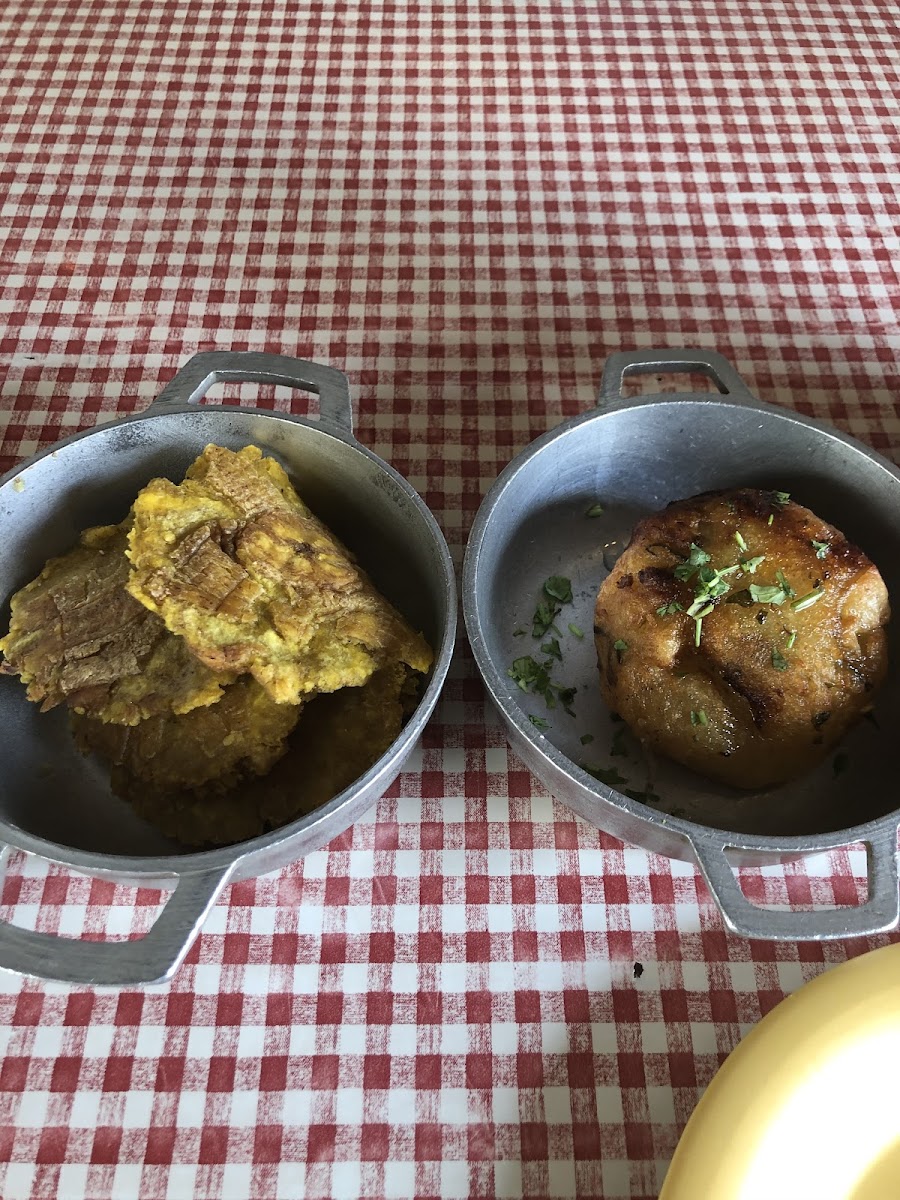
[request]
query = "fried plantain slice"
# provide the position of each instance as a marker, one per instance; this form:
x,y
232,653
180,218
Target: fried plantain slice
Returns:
x,y
338,737
77,637
236,564
205,752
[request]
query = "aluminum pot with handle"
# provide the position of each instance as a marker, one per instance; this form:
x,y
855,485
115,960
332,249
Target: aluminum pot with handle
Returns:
x,y
566,506
57,804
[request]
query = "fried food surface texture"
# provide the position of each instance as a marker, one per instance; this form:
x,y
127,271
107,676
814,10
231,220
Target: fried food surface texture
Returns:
x,y
741,635
236,564
77,637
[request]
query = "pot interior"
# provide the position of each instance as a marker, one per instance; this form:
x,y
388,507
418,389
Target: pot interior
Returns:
x,y
47,788
634,461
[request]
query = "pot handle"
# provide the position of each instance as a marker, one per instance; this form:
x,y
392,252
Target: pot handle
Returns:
x,y
880,913
154,958
670,362
199,374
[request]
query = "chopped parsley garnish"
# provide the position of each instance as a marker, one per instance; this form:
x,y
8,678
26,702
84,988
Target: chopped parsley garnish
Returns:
x,y
610,776
519,633
620,646
750,564
699,717
698,626
667,610
596,510
559,588
781,498
772,593
538,722
779,662
738,537
771,518
710,586
788,590
544,616
821,548
696,560
792,637
575,630
586,739
531,676
841,764
534,677
552,650
807,601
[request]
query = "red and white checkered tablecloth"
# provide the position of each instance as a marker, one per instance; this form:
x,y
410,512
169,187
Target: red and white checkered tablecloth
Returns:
x,y
466,205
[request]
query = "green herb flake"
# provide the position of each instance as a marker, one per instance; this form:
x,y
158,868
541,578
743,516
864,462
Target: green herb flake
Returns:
x,y
596,510
610,776
698,557
786,587
586,739
779,662
620,646
807,601
698,626
575,630
821,548
841,764
781,498
792,637
544,616
519,633
771,518
668,610
552,650
699,717
527,673
738,537
566,696
538,722
559,588
750,564
772,593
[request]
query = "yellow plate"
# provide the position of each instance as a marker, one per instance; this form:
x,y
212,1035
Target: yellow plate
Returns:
x,y
808,1105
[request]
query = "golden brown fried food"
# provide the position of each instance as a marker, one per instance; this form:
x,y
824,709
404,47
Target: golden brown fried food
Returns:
x,y
338,737
741,635
206,752
77,637
236,564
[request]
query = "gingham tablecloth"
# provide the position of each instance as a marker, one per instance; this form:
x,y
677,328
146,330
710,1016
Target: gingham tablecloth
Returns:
x,y
465,206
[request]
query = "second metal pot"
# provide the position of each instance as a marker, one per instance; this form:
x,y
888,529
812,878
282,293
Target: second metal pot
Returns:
x,y
633,456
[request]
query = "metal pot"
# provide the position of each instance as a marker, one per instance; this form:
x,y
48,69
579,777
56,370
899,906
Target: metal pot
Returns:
x,y
633,456
58,805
